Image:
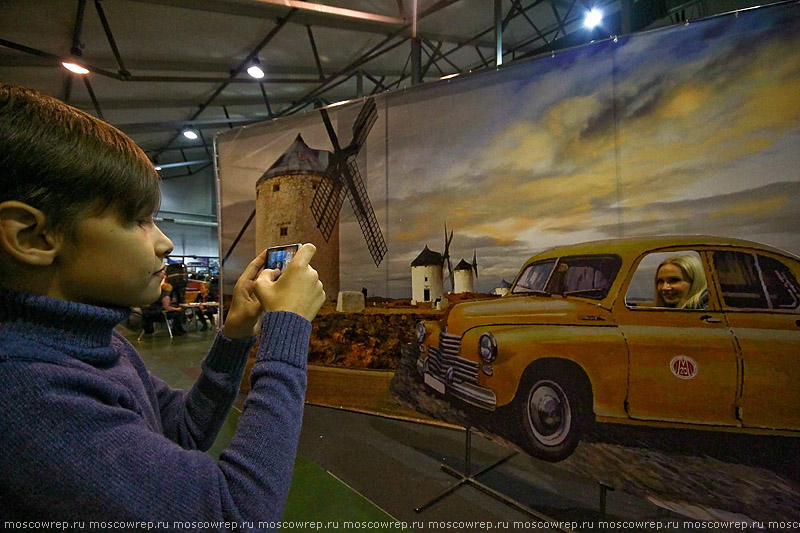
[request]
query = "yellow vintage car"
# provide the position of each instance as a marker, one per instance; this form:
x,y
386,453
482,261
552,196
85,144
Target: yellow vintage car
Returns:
x,y
583,336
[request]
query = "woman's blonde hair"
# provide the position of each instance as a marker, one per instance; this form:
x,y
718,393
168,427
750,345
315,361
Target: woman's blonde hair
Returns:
x,y
692,269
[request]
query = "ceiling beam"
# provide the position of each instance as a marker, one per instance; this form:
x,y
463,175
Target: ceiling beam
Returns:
x,y
123,72
183,164
154,127
335,11
308,13
177,71
383,47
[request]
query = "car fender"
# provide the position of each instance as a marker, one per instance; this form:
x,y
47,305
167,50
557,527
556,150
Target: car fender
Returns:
x,y
599,351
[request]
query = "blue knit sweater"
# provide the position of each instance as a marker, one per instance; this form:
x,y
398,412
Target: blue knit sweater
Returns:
x,y
88,434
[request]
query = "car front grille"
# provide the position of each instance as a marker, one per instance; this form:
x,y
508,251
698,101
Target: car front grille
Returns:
x,y
445,356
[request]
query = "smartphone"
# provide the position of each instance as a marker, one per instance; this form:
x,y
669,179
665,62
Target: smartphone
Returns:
x,y
279,256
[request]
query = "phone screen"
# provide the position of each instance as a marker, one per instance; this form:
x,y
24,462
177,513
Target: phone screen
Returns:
x,y
279,256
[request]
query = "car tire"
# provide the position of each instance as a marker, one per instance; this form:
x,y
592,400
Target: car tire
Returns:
x,y
550,412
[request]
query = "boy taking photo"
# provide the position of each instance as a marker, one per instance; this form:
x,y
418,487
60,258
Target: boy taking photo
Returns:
x,y
88,434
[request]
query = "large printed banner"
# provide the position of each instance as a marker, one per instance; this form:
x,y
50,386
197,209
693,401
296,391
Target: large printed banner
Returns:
x,y
691,129
682,141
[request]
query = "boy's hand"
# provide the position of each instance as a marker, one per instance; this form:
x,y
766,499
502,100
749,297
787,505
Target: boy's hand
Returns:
x,y
242,318
298,290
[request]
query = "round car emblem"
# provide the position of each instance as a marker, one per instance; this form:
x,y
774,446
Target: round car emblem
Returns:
x,y
451,372
683,367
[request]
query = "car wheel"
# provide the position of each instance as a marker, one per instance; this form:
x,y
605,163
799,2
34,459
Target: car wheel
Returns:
x,y
550,414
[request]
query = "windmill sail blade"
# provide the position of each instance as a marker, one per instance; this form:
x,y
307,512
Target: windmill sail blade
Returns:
x,y
326,204
447,241
451,280
475,263
451,276
364,122
357,192
446,259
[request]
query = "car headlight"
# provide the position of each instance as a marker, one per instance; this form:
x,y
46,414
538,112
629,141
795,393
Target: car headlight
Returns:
x,y
488,347
420,333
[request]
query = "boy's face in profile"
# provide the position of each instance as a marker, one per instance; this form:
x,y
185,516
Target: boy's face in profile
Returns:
x,y
111,262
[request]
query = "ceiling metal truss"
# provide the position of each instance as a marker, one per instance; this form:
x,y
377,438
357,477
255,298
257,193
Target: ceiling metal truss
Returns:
x,y
538,26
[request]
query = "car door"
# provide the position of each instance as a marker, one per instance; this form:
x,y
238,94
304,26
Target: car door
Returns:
x,y
761,300
682,362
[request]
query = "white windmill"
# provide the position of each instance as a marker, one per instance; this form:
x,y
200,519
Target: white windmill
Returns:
x,y
426,277
462,275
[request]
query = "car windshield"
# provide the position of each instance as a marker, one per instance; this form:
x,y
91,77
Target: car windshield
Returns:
x,y
534,278
586,276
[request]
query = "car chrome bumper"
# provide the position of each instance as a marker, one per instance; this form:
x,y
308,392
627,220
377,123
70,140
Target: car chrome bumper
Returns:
x,y
468,392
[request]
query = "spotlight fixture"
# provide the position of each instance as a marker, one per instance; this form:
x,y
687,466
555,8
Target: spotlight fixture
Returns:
x,y
255,69
593,18
72,62
190,134
73,66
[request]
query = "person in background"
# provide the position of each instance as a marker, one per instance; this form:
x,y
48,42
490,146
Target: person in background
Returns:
x,y
203,311
680,283
88,433
162,309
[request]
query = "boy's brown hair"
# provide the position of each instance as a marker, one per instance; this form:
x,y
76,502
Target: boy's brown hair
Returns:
x,y
68,164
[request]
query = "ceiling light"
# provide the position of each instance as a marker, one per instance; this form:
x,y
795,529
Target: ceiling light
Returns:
x,y
190,134
255,70
449,76
74,67
593,18
158,168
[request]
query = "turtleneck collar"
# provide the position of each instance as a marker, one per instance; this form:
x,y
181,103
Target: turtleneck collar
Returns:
x,y
81,330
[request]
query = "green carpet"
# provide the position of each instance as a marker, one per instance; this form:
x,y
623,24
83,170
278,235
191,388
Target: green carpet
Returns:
x,y
318,501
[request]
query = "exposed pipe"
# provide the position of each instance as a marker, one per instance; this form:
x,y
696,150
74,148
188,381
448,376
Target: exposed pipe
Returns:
x,y
78,28
316,53
111,42
187,222
184,163
93,97
414,20
498,32
336,11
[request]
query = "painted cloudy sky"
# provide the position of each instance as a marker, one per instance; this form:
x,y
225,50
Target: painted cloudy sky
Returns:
x,y
691,129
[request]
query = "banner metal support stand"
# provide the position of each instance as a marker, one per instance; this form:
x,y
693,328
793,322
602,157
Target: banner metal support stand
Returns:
x,y
466,478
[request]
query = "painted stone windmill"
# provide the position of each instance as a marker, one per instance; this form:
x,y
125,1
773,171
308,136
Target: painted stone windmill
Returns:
x,y
460,277
426,277
304,179
463,281
344,179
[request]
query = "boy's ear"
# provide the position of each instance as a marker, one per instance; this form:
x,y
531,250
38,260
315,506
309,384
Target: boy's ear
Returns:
x,y
23,235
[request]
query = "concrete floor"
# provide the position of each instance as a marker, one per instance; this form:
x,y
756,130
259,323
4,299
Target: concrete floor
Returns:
x,y
368,468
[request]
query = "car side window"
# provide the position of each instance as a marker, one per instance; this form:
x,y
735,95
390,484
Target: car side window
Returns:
x,y
669,280
754,281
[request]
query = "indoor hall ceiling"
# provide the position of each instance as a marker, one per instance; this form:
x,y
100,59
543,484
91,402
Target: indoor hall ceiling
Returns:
x,y
158,66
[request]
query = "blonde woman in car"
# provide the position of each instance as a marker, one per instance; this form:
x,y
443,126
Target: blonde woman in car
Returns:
x,y
680,283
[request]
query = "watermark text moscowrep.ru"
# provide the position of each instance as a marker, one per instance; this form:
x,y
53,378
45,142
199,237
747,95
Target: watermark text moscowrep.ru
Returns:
x,y
388,525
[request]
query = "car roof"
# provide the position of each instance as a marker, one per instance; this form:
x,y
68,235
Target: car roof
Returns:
x,y
634,245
